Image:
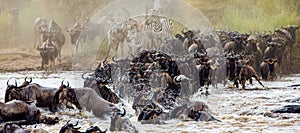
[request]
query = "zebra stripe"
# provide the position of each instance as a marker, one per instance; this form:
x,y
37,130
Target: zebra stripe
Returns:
x,y
158,25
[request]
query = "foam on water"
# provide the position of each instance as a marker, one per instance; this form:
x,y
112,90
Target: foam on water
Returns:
x,y
239,110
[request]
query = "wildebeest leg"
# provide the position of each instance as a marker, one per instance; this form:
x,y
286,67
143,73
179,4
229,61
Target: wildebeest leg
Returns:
x,y
236,83
243,83
250,80
256,77
206,90
59,55
35,38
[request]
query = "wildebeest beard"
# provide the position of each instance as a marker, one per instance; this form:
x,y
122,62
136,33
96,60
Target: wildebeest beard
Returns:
x,y
67,96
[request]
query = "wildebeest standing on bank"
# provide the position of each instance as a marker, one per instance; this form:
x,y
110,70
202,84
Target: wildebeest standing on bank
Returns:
x,y
48,52
39,25
56,36
74,33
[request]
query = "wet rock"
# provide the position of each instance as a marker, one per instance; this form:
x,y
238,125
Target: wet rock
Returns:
x,y
271,115
293,100
202,116
288,109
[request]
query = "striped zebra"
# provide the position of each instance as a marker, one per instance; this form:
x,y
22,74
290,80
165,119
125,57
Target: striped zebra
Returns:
x,y
158,28
158,25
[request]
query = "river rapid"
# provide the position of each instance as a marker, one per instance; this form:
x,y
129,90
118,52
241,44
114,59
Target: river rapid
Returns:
x,y
241,111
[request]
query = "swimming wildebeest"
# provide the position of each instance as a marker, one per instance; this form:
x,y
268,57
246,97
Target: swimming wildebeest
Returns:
x,y
17,110
121,123
45,96
15,128
89,99
71,128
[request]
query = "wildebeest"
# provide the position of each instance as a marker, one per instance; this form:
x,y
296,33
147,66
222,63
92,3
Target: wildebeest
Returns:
x,y
71,128
107,93
90,100
267,69
52,40
197,111
39,25
121,123
49,52
74,33
15,128
247,72
237,43
253,49
150,114
17,110
202,116
205,75
56,36
275,46
45,96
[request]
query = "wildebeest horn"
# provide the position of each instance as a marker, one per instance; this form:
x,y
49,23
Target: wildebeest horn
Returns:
x,y
76,123
7,82
103,131
114,59
28,81
242,53
266,60
124,113
68,121
68,84
16,83
182,31
82,76
62,82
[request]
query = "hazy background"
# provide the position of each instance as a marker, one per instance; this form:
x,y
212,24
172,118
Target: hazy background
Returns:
x,y
243,16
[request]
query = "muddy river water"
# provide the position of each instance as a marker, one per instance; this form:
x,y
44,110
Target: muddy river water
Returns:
x,y
241,111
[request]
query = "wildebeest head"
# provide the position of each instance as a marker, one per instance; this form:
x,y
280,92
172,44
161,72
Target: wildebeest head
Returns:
x,y
65,95
150,111
69,128
51,120
115,116
292,30
188,34
48,51
26,82
95,129
10,91
74,32
11,128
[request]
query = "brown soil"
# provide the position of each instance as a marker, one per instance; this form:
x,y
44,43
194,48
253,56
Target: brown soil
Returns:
x,y
20,59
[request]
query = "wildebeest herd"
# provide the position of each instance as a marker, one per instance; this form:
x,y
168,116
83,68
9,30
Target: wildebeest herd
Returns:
x,y
157,84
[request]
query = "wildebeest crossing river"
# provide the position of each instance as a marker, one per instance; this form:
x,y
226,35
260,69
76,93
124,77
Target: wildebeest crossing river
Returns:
x,y
247,110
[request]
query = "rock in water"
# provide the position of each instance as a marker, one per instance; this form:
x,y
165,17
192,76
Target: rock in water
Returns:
x,y
288,109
